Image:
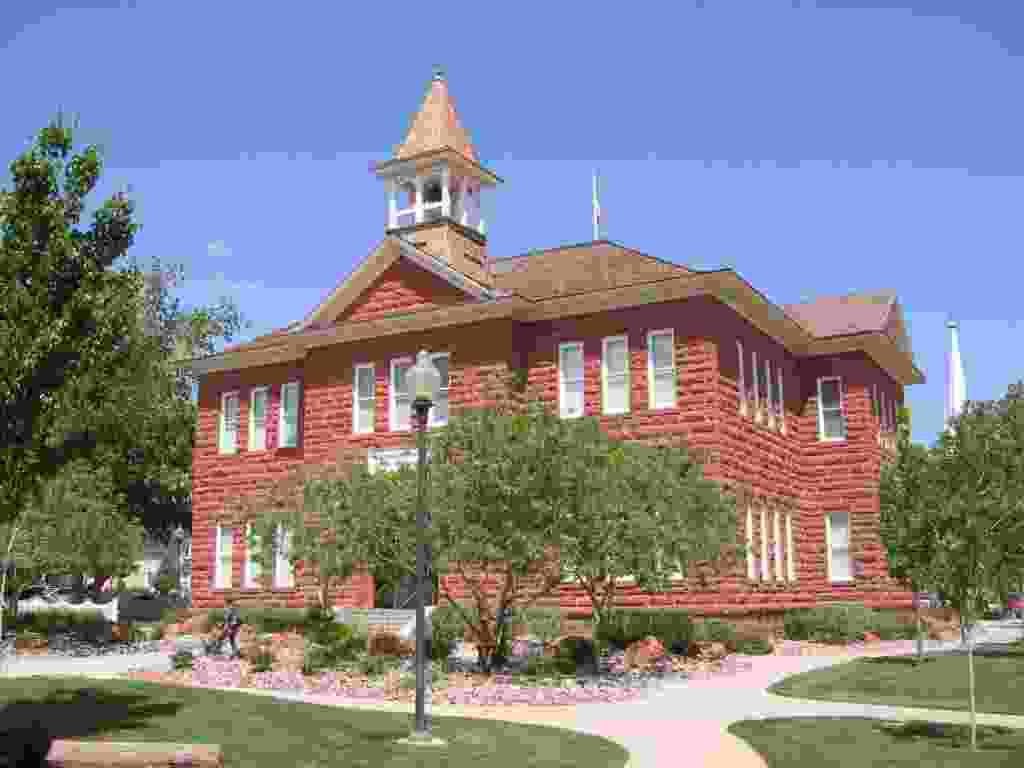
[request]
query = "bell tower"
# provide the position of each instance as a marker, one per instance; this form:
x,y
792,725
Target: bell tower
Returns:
x,y
434,183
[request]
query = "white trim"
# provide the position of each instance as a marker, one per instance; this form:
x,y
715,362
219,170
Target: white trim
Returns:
x,y
652,373
768,394
281,415
253,571
284,574
776,535
252,418
357,428
885,414
757,393
222,431
829,551
782,401
821,410
444,390
764,544
742,380
751,556
619,376
790,558
222,580
562,411
393,424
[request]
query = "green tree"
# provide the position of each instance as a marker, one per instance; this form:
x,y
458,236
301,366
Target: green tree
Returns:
x,y
642,511
65,317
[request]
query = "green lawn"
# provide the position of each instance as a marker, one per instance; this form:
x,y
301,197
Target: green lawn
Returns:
x,y
854,742
260,732
939,682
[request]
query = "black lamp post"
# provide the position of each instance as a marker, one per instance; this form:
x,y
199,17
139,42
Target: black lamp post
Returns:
x,y
425,383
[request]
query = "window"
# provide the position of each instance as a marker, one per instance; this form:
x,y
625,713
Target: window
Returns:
x,y
661,369
364,386
741,385
753,370
222,568
284,574
837,541
570,379
258,419
401,396
615,375
764,544
892,417
885,414
289,427
751,557
831,424
229,422
777,540
769,403
782,401
790,554
439,411
875,407
253,571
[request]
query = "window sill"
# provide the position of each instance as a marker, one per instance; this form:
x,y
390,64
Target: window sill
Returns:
x,y
841,582
831,439
615,413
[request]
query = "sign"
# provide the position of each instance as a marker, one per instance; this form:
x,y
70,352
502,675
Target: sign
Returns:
x,y
390,459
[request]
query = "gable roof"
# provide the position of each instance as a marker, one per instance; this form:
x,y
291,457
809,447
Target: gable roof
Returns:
x,y
580,268
437,126
842,315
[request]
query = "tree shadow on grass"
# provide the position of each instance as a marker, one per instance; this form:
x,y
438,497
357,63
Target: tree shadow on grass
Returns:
x,y
29,726
899,661
953,735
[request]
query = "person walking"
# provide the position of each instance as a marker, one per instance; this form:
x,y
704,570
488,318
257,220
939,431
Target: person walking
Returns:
x,y
232,623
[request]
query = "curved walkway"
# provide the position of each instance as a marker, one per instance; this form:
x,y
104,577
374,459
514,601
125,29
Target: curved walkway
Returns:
x,y
684,721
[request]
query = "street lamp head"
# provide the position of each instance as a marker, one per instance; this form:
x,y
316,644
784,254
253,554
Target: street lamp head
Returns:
x,y
426,381
179,533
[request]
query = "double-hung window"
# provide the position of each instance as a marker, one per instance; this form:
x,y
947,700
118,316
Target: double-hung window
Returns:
x,y
364,386
790,553
764,544
769,401
885,414
741,384
782,400
229,422
253,571
288,434
400,394
831,424
756,399
777,541
615,375
661,369
837,542
751,552
570,379
439,411
258,418
225,536
284,574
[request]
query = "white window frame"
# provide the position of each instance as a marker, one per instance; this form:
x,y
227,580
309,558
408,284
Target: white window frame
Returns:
x,y
751,554
284,573
782,401
829,551
222,432
790,558
884,413
757,394
768,394
393,424
821,411
253,433
776,531
253,571
222,580
742,382
764,544
357,427
652,371
281,421
442,391
562,381
605,375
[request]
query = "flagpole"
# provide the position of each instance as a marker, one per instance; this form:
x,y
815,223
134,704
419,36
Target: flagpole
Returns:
x,y
956,389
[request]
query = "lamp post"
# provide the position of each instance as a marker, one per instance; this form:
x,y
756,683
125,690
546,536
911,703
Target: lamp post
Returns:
x,y
425,383
179,536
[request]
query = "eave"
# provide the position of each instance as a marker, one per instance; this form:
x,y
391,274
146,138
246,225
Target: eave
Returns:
x,y
416,164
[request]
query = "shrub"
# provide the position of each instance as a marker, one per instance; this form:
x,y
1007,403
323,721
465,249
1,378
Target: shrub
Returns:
x,y
625,626
165,583
447,627
262,660
315,659
889,626
159,631
580,652
264,620
182,660
543,623
377,665
388,644
543,666
753,646
837,624
716,631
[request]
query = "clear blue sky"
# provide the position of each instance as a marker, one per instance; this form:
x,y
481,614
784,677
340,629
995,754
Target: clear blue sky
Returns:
x,y
816,147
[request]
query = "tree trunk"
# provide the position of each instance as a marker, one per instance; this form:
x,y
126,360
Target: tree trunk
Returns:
x,y
974,714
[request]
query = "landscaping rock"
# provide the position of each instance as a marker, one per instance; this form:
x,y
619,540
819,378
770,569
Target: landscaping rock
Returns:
x,y
643,652
712,650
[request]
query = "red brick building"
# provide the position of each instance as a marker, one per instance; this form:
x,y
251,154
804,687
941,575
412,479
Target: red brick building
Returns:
x,y
796,403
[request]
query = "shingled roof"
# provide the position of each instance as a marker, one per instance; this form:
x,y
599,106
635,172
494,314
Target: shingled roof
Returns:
x,y
437,126
841,315
579,268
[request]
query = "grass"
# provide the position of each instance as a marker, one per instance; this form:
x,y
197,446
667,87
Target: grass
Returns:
x,y
855,742
261,732
939,682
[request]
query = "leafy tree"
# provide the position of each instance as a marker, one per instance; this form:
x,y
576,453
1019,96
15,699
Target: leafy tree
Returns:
x,y
639,510
65,318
